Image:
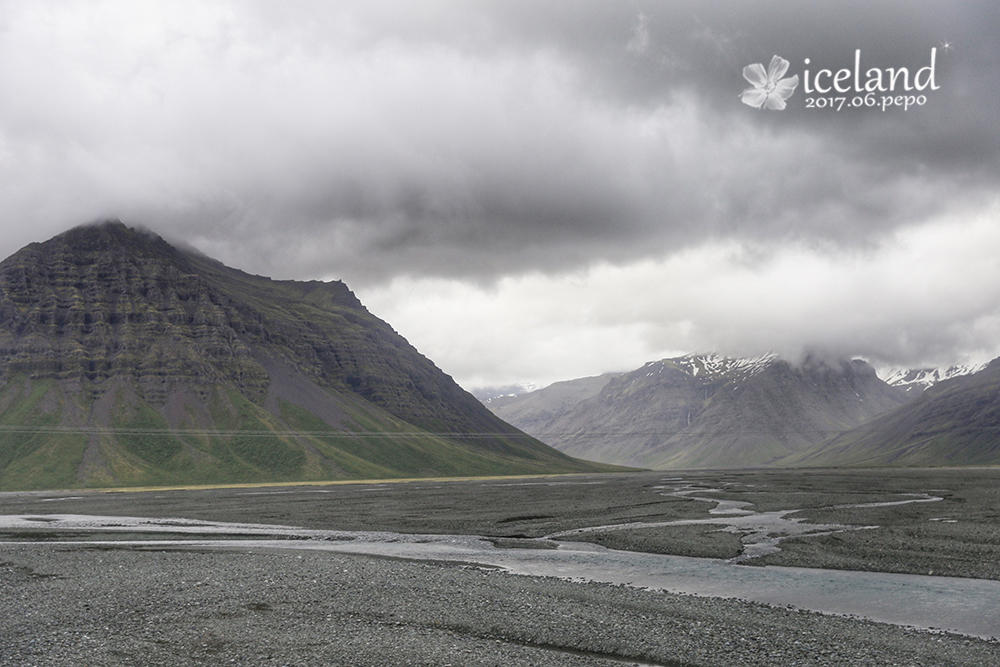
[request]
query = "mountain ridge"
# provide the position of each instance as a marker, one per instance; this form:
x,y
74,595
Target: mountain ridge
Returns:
x,y
918,380
928,416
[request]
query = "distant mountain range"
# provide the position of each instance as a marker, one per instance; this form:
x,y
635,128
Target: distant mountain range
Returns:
x,y
127,361
708,411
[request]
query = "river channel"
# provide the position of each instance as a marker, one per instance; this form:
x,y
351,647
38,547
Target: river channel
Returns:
x,y
966,606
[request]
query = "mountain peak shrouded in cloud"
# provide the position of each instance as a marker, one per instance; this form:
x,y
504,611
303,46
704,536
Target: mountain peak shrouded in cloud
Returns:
x,y
127,361
463,166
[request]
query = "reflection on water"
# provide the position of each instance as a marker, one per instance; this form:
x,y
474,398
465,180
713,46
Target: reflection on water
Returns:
x,y
961,605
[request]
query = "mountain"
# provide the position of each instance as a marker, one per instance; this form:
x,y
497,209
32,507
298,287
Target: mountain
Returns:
x,y
702,411
535,410
915,381
501,394
127,361
954,422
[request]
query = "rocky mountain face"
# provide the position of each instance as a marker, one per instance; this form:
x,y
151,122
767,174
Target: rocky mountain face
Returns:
x,y
703,411
954,422
125,360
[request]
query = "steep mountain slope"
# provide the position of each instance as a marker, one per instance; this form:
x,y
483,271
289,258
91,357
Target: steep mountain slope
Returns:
x,y
954,422
124,360
709,411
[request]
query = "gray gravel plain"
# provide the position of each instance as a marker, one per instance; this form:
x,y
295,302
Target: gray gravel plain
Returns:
x,y
83,605
68,606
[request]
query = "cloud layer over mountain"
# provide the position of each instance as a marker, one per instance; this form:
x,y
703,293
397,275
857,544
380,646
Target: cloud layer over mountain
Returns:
x,y
575,184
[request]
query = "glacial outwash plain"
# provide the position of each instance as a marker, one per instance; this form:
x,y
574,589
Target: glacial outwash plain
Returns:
x,y
305,574
200,466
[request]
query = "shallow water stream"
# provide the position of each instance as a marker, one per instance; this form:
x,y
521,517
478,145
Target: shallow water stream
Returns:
x,y
760,532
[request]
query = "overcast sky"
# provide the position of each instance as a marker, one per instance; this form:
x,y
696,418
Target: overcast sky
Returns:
x,y
535,191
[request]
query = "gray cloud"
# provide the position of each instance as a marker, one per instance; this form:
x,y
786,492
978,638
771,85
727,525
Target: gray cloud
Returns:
x,y
473,141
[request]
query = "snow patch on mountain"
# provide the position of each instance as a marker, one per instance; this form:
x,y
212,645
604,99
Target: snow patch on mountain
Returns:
x,y
489,395
716,366
916,380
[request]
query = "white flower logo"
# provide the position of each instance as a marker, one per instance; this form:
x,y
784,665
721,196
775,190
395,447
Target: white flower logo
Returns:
x,y
769,89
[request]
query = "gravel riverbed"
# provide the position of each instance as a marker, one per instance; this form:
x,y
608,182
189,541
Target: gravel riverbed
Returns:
x,y
88,606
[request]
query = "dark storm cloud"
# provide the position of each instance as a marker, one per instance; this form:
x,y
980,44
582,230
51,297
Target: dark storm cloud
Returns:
x,y
476,140
579,157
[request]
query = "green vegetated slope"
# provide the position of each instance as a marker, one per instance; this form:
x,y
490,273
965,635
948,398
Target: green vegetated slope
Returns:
x,y
955,422
126,361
